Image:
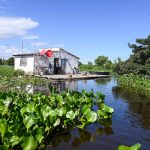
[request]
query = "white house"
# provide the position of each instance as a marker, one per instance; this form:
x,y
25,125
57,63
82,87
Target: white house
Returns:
x,y
61,62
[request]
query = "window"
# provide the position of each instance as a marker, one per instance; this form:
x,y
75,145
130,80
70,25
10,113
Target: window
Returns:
x,y
23,61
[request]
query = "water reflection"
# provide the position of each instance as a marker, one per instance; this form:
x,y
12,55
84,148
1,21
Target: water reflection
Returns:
x,y
137,106
37,88
76,137
58,85
64,85
103,81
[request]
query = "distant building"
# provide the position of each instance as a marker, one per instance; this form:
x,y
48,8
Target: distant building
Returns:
x,y
61,62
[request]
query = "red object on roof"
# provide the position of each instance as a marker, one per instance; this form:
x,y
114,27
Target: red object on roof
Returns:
x,y
43,52
49,53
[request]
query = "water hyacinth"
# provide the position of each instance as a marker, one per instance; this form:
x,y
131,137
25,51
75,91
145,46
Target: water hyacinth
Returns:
x,y
26,120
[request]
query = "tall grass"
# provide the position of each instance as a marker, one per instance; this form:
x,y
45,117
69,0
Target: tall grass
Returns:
x,y
135,84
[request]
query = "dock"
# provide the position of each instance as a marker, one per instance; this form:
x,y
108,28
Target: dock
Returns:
x,y
72,76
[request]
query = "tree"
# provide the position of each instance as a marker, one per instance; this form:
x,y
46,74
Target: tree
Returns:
x,y
101,60
10,61
90,63
1,61
139,60
79,63
108,64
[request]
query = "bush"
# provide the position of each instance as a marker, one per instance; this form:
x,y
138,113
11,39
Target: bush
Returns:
x,y
8,71
135,84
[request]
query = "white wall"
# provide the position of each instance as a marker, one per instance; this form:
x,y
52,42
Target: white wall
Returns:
x,y
29,68
72,61
41,64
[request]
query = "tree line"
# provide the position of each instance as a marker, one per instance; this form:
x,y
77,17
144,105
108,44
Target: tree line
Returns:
x,y
138,62
101,63
9,61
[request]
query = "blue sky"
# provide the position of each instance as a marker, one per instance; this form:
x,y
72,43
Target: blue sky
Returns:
x,y
87,28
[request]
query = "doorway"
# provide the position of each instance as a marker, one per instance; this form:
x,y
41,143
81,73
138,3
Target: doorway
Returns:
x,y
63,65
56,66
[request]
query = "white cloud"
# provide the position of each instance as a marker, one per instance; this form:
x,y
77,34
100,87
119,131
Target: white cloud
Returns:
x,y
8,51
31,37
12,26
38,44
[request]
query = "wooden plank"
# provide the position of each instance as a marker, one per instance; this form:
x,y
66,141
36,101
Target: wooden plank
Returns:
x,y
72,77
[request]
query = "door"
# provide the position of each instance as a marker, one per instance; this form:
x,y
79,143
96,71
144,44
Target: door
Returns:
x,y
56,65
63,65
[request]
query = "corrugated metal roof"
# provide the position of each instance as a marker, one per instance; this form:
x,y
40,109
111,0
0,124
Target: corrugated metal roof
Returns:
x,y
53,49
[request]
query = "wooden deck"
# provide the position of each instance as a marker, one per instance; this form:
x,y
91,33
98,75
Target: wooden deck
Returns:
x,y
72,77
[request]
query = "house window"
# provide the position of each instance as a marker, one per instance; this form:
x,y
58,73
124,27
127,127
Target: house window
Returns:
x,y
23,61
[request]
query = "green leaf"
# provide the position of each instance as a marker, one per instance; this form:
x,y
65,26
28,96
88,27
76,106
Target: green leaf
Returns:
x,y
39,135
14,140
91,116
31,107
3,127
23,110
134,147
29,143
81,126
100,114
85,109
28,121
57,122
7,101
106,108
70,115
61,111
123,147
46,110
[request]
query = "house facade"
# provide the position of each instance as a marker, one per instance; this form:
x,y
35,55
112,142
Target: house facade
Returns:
x,y
61,62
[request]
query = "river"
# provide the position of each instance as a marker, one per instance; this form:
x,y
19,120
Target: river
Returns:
x,y
130,122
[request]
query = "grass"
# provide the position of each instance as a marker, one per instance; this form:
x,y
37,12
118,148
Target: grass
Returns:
x,y
135,84
16,80
8,71
93,68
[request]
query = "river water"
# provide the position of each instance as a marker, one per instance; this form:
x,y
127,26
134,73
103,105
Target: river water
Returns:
x,y
130,122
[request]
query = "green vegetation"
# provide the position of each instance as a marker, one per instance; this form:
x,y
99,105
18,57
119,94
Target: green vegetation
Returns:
x,y
8,71
134,147
139,61
17,81
9,62
135,84
26,120
93,68
102,64
20,84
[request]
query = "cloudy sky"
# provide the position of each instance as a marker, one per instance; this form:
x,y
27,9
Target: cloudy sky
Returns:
x,y
87,28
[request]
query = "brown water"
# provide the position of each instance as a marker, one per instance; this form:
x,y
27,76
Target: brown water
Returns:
x,y
130,122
